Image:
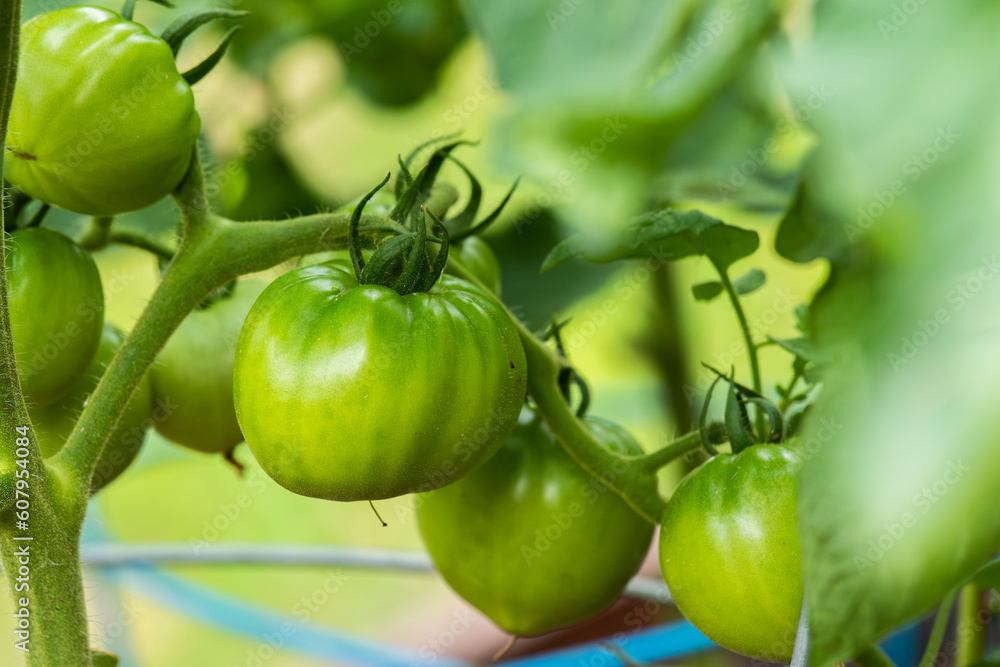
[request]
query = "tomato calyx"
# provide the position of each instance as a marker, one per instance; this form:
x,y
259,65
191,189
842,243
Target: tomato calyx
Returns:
x,y
737,425
412,191
401,263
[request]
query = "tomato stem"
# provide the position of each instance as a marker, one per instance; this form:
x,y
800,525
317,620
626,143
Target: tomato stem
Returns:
x,y
937,632
970,629
752,354
626,476
673,451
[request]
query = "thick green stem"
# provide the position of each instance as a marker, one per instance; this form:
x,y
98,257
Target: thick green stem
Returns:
x,y
629,477
38,540
673,451
873,656
971,631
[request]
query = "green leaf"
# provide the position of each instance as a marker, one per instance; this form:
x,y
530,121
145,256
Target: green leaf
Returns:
x,y
103,659
666,235
707,291
803,348
988,576
898,498
750,282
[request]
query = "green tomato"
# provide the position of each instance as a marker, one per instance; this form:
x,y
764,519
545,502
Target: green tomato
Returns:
x,y
478,257
729,550
193,375
102,122
54,423
56,311
530,538
353,392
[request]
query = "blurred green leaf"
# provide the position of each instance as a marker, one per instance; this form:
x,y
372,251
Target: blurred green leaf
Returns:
x,y
898,495
707,291
802,348
103,659
604,92
749,282
666,235
988,576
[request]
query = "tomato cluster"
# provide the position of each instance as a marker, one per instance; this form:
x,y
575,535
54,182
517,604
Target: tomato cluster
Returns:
x,y
368,374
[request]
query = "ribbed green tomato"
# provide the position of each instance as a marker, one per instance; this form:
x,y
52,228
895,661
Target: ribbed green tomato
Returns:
x,y
194,373
478,257
56,310
54,423
101,122
729,549
354,392
530,538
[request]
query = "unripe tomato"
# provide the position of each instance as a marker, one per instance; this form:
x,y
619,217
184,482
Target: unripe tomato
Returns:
x,y
478,257
354,392
101,122
193,375
530,538
56,311
54,423
729,549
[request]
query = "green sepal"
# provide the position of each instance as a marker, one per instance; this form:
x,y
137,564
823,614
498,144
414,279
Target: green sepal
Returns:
x,y
354,234
183,27
481,226
403,178
128,9
406,210
776,430
741,434
200,71
703,426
